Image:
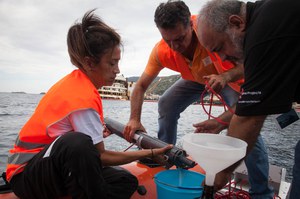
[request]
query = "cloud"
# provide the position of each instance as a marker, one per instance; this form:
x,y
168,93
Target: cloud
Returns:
x,y
33,50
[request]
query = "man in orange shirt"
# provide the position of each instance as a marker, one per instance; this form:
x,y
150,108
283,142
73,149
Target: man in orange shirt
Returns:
x,y
180,50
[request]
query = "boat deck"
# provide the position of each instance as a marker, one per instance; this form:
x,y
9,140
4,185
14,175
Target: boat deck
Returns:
x,y
239,181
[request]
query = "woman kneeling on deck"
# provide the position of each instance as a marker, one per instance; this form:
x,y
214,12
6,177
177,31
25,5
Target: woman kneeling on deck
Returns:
x,y
60,150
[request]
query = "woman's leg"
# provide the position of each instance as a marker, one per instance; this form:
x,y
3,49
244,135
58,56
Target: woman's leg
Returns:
x,y
71,165
121,183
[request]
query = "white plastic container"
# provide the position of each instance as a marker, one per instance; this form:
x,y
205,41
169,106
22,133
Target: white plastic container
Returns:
x,y
213,152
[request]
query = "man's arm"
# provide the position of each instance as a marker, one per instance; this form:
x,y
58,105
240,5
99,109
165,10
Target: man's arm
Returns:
x,y
234,74
137,96
246,128
136,102
151,71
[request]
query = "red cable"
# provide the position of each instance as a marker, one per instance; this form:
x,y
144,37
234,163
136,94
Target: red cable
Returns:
x,y
241,194
208,88
211,101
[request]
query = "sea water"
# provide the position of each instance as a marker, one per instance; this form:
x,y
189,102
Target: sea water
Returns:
x,y
16,108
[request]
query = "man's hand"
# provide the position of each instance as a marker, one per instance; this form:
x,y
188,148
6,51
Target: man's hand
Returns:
x,y
216,82
131,127
209,126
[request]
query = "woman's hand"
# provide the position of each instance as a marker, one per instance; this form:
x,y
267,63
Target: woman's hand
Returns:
x,y
158,155
106,132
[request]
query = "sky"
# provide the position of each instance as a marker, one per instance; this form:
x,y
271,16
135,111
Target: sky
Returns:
x,y
33,48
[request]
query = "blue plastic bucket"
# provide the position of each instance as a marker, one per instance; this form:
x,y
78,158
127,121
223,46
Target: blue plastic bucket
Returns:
x,y
178,184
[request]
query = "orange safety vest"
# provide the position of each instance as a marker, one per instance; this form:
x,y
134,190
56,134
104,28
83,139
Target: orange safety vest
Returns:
x,y
74,92
177,62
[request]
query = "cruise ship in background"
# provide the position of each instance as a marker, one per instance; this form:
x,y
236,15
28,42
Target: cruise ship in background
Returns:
x,y
122,89
118,91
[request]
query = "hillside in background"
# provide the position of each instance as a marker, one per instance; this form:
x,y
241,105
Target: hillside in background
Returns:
x,y
159,85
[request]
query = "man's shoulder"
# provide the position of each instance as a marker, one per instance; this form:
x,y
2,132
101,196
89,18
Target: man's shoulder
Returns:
x,y
162,47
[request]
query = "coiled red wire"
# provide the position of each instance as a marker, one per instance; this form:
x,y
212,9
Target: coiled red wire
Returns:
x,y
233,192
208,89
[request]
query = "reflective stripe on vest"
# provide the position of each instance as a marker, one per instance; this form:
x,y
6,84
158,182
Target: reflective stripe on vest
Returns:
x,y
23,157
28,145
20,158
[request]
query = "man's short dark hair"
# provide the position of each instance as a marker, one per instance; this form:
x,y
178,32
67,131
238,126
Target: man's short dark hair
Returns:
x,y
169,14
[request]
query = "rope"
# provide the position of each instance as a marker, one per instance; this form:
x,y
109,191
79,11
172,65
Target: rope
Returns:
x,y
208,89
236,193
231,193
129,147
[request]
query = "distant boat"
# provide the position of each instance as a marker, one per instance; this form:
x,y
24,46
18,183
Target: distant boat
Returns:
x,y
18,92
42,93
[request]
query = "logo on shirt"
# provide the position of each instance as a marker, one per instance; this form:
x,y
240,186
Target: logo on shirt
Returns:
x,y
207,61
249,97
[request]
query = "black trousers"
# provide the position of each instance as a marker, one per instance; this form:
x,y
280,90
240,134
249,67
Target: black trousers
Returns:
x,y
72,168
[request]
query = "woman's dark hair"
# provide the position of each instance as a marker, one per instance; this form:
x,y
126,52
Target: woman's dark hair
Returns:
x,y
91,37
169,14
